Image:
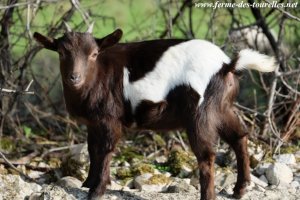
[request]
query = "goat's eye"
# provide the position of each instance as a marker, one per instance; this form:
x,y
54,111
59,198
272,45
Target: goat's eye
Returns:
x,y
94,55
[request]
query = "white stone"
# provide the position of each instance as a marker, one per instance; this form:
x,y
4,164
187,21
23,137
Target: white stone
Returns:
x,y
55,192
125,164
80,153
261,168
295,184
161,159
264,179
279,174
288,159
181,186
35,174
195,182
187,180
185,171
14,187
69,182
257,187
257,181
223,180
115,186
156,171
167,174
251,186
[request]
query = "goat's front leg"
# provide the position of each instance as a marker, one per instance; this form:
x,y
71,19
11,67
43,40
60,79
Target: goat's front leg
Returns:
x,y
101,143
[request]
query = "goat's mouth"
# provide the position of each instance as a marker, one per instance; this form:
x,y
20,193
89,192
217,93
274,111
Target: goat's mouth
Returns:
x,y
76,85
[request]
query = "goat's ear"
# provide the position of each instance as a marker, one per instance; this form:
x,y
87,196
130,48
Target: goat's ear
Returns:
x,y
110,39
48,43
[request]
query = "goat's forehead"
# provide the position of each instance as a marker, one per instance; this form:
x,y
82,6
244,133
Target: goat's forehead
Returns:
x,y
77,41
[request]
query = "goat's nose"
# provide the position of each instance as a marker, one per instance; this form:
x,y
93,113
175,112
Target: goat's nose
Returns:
x,y
75,78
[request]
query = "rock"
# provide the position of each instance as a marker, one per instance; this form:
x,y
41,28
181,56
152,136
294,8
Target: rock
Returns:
x,y
180,186
55,192
297,154
153,183
156,171
295,184
80,153
161,159
35,174
225,158
257,181
76,163
129,183
225,179
251,186
14,187
259,188
185,171
288,159
195,182
264,179
279,174
69,182
125,164
124,172
262,168
114,186
142,168
181,162
167,174
256,153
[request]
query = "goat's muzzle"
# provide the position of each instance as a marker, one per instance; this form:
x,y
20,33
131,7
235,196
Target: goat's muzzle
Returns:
x,y
75,79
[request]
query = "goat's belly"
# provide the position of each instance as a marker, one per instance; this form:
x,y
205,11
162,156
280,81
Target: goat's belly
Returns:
x,y
169,114
191,63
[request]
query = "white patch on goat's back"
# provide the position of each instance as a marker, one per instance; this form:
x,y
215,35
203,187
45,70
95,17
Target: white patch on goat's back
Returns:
x,y
189,63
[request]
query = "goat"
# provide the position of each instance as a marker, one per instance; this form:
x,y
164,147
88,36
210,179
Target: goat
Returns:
x,y
159,85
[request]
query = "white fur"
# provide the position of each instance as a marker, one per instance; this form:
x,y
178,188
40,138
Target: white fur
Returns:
x,y
253,60
189,63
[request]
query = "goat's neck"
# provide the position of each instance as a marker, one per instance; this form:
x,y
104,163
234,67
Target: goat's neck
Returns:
x,y
97,98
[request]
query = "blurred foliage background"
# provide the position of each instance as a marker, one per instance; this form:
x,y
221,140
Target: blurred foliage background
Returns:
x,y
33,124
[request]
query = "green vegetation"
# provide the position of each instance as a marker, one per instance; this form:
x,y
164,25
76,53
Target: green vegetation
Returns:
x,y
179,158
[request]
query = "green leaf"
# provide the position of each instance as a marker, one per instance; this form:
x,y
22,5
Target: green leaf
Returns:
x,y
27,131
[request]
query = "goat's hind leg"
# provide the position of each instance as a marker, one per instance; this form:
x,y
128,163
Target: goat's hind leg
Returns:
x,y
202,147
243,166
237,138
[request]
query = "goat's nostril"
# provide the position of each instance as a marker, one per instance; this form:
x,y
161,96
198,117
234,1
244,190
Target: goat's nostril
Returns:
x,y
75,78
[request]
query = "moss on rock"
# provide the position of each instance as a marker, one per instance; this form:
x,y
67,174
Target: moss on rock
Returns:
x,y
179,158
123,173
158,179
142,168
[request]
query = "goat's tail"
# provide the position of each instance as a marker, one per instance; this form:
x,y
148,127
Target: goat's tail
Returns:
x,y
251,59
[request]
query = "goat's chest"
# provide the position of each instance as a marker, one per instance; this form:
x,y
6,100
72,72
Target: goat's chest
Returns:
x,y
190,63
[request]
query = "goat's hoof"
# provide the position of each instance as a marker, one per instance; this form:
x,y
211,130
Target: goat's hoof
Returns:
x,y
240,189
238,194
93,195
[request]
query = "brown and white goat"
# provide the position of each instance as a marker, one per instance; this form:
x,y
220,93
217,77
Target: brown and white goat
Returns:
x,y
158,85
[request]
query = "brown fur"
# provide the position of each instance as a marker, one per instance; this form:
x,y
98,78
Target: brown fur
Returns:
x,y
96,99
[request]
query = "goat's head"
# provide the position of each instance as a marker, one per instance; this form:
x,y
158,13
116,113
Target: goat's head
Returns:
x,y
78,53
